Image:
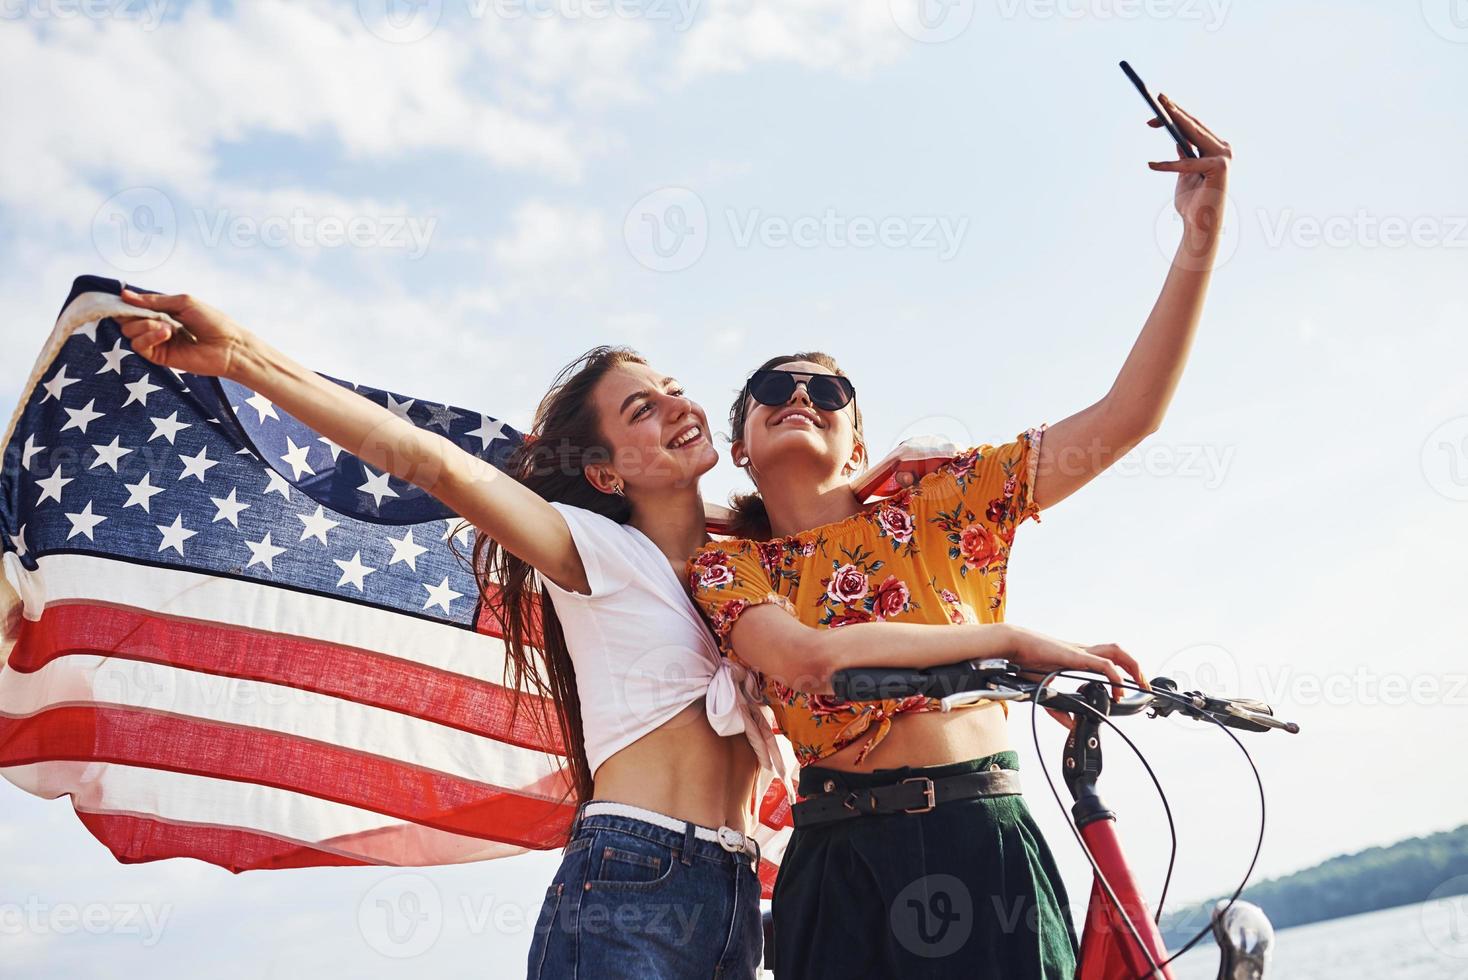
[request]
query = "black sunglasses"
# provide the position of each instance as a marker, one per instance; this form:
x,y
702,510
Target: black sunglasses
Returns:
x,y
828,392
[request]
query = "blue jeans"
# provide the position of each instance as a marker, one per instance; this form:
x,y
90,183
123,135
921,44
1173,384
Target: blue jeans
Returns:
x,y
638,901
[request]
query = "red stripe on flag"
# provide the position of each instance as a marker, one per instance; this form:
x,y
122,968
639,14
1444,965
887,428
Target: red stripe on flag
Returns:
x,y
169,742
363,676
134,839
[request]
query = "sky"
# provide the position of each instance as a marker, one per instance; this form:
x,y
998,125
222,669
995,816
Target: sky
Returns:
x,y
452,198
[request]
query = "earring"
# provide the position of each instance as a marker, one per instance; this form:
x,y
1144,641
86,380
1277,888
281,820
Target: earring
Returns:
x,y
618,490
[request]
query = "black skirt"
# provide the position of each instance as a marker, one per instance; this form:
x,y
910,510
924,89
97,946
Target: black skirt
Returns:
x,y
968,889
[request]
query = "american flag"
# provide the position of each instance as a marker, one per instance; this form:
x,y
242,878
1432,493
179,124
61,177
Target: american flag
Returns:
x,y
226,638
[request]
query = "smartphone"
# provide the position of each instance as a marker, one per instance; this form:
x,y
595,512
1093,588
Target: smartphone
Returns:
x,y
1157,110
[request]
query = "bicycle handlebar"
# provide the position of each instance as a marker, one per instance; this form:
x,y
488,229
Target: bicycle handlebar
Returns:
x,y
969,681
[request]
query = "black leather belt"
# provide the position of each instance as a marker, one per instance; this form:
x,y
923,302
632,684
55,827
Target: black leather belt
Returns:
x,y
916,794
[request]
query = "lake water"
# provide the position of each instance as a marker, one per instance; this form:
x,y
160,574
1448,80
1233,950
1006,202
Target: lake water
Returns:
x,y
1414,942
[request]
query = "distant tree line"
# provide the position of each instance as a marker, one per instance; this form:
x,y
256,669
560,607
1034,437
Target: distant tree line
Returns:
x,y
1403,873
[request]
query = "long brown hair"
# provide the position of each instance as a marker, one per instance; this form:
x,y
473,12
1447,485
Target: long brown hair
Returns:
x,y
751,519
565,437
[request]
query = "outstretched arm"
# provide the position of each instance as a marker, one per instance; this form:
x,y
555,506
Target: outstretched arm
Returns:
x,y
1077,449
515,516
803,657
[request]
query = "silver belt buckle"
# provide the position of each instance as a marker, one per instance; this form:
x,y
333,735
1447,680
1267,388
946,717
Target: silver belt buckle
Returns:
x,y
731,840
929,795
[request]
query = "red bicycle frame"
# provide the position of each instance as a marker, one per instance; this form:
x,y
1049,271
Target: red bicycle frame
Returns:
x,y
1120,941
1109,951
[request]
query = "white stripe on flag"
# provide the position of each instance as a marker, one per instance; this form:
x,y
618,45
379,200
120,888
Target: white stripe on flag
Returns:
x,y
235,602
88,679
189,799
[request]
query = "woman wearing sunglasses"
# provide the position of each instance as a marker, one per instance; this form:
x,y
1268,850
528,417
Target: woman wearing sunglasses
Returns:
x,y
913,852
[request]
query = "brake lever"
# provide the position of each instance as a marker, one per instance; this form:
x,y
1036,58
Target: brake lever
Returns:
x,y
1241,713
1259,720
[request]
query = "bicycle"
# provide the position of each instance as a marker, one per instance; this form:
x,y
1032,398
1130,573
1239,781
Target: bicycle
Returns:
x,y
1120,941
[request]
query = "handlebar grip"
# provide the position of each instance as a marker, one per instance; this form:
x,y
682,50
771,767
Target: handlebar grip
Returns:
x,y
878,683
882,683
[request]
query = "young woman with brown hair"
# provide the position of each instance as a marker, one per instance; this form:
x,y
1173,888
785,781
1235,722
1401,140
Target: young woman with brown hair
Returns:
x,y
596,516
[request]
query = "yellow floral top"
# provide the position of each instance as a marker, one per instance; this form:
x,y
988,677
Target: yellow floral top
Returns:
x,y
934,553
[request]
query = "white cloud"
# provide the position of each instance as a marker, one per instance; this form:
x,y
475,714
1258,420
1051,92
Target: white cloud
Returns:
x,y
847,36
589,62
153,108
551,249
420,338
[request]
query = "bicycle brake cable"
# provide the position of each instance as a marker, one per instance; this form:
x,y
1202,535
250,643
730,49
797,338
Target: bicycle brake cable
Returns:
x,y
1101,878
1095,869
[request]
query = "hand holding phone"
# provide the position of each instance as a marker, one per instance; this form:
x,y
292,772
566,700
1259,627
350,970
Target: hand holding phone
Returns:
x,y
1202,173
1160,113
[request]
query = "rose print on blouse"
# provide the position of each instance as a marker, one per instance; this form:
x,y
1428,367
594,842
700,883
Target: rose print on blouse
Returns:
x,y
893,521
958,611
781,559
969,542
712,570
855,594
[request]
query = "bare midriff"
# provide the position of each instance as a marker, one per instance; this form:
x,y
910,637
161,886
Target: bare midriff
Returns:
x,y
687,770
929,738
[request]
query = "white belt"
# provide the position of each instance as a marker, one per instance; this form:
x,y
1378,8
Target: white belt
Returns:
x,y
734,841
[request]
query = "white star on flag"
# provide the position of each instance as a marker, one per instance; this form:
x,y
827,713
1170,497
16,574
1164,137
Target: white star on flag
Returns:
x,y
353,571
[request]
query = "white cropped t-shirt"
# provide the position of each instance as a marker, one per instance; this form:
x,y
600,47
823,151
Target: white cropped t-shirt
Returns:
x,y
642,652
